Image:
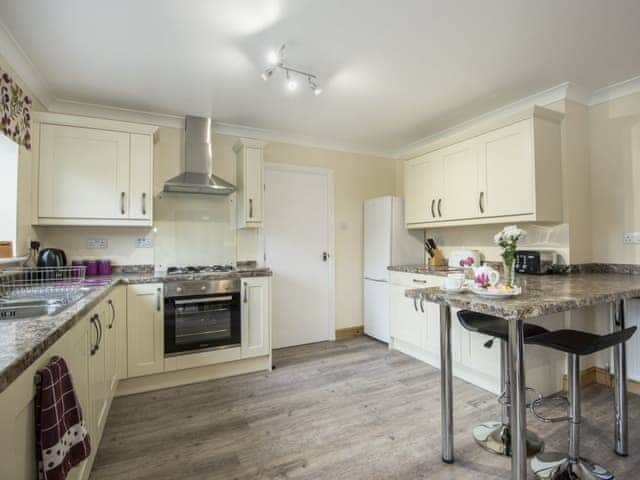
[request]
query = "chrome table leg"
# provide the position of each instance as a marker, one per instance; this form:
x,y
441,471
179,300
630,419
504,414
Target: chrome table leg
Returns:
x,y
518,401
446,385
620,371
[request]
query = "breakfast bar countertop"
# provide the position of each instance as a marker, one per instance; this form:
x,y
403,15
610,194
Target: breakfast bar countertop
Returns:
x,y
541,294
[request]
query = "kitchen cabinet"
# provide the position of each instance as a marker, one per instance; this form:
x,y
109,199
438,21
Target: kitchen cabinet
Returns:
x,y
506,174
256,317
145,329
249,182
114,340
92,172
98,375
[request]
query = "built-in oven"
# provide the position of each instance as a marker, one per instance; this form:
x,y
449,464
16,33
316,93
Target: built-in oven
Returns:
x,y
201,315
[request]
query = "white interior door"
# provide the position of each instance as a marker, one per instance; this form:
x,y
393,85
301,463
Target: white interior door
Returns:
x,y
298,229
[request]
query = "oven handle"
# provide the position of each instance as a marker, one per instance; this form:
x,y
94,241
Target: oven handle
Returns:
x,y
203,300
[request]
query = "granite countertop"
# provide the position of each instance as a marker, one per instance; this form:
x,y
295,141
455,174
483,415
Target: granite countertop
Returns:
x,y
542,294
23,341
423,269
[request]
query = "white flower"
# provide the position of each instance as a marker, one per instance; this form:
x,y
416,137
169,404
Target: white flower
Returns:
x,y
511,234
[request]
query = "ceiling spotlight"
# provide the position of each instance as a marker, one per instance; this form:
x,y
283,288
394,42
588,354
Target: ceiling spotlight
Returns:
x,y
266,75
314,87
273,58
291,83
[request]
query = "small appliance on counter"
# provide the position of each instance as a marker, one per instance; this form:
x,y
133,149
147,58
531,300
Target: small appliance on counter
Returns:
x,y
537,262
464,258
52,257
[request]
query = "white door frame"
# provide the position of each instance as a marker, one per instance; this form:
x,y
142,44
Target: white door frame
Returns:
x,y
330,231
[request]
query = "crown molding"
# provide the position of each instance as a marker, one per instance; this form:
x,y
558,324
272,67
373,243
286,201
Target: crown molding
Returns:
x,y
73,107
616,90
24,68
274,136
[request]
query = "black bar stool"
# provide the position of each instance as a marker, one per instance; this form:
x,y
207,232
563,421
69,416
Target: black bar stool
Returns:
x,y
552,466
496,436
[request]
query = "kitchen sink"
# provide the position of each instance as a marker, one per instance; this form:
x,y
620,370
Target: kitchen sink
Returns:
x,y
23,308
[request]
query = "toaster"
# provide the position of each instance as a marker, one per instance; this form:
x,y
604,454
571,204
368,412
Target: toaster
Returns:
x,y
536,262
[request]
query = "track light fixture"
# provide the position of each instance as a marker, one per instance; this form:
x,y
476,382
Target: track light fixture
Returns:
x,y
276,61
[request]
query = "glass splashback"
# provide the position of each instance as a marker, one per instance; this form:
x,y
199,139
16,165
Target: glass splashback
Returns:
x,y
194,229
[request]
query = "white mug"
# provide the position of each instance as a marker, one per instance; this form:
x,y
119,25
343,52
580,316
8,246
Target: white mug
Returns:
x,y
492,275
454,282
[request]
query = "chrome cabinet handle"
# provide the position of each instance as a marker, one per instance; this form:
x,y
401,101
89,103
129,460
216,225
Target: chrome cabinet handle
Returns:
x,y
439,204
144,203
158,306
415,280
421,305
251,208
100,326
244,299
481,202
113,313
94,346
122,195
433,202
415,305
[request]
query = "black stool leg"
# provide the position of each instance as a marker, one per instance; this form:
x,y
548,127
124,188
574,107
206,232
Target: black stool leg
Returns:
x,y
495,437
556,466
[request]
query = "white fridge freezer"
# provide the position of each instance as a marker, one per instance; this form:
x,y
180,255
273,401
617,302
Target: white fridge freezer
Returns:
x,y
386,242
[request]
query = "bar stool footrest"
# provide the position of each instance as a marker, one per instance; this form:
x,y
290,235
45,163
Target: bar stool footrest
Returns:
x,y
540,401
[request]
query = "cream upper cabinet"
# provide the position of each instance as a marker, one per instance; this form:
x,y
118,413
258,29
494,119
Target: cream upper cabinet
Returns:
x,y
256,317
249,182
92,172
145,329
424,189
461,173
510,173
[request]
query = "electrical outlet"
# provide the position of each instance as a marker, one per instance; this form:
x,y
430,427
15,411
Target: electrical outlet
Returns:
x,y
631,238
97,243
143,243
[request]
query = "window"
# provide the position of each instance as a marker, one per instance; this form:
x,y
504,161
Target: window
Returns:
x,y
8,190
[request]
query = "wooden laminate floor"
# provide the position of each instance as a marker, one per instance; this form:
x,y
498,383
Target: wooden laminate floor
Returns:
x,y
344,410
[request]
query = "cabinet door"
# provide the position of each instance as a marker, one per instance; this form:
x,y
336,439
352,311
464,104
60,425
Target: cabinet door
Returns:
x,y
255,317
253,184
141,173
461,196
145,330
507,159
423,188
98,389
112,329
83,173
406,319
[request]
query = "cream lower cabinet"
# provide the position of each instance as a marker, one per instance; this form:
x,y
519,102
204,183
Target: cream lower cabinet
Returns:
x,y
145,329
509,173
256,317
92,172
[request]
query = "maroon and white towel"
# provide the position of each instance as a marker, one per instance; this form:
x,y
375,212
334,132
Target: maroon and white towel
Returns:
x,y
62,440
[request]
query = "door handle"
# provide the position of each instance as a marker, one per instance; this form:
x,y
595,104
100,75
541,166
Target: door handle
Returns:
x,y
251,208
439,204
94,346
415,305
325,256
158,306
122,195
481,202
433,202
421,305
144,203
113,313
244,299
99,324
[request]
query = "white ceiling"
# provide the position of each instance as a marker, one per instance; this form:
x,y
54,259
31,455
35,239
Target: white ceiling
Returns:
x,y
393,71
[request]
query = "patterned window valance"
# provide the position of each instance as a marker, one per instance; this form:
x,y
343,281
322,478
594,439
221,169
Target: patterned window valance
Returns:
x,y
16,111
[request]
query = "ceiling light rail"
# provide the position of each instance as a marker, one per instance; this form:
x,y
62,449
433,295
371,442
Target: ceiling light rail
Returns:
x,y
276,59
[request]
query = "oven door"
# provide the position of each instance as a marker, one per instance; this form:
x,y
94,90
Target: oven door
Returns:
x,y
201,323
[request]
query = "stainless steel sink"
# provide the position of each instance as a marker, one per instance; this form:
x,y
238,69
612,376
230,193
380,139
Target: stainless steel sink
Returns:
x,y
19,309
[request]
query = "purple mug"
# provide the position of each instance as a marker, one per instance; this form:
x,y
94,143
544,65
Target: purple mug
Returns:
x,y
92,268
104,267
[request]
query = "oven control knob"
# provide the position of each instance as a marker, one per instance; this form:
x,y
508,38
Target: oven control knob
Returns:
x,y
178,289
203,288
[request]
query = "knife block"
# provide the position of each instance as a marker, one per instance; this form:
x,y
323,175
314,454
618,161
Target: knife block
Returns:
x,y
438,259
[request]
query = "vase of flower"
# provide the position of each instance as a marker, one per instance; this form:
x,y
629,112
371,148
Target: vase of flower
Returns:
x,y
508,239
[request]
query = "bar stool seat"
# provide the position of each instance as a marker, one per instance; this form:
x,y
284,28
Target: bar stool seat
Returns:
x,y
557,466
495,436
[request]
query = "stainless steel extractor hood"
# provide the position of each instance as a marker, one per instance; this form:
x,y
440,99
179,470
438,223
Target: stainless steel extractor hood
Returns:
x,y
198,175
